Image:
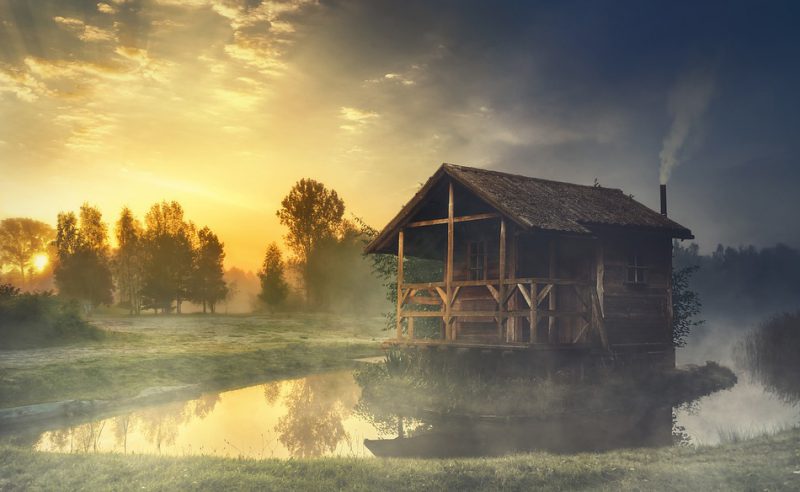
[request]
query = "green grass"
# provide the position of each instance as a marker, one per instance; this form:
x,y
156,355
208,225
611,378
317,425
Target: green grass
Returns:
x,y
212,351
764,463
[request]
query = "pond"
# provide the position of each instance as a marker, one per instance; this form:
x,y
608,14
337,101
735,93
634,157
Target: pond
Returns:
x,y
316,416
305,417
329,415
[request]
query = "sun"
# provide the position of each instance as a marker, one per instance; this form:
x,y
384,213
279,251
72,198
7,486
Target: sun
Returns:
x,y
40,261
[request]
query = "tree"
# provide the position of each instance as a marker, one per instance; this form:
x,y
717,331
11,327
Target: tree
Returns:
x,y
82,270
169,256
312,213
20,240
208,285
338,276
129,260
685,305
273,284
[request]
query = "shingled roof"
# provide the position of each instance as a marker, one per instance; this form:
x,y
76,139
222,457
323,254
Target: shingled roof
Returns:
x,y
541,204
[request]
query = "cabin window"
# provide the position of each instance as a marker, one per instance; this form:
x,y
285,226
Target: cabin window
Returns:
x,y
476,251
637,272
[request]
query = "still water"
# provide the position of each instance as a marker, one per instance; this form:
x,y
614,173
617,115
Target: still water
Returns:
x,y
316,416
306,417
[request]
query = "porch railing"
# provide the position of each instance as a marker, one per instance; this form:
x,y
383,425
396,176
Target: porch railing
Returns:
x,y
534,292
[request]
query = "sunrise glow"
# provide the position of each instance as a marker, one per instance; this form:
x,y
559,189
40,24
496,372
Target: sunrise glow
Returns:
x,y
40,261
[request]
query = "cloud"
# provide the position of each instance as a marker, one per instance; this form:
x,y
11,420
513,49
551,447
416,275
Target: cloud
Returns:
x,y
106,8
355,120
21,84
84,31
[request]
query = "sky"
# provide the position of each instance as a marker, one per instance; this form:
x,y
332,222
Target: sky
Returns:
x,y
223,105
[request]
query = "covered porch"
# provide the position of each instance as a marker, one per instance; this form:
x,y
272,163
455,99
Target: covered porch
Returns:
x,y
495,299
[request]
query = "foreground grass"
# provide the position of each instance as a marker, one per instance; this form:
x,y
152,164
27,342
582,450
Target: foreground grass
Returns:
x,y
765,463
215,352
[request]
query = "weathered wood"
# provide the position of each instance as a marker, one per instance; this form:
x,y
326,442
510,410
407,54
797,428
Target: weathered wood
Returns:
x,y
600,273
525,294
411,328
506,314
583,330
552,335
534,314
524,280
422,314
495,293
544,293
425,301
599,320
462,218
424,285
449,262
501,294
513,325
456,290
442,295
400,296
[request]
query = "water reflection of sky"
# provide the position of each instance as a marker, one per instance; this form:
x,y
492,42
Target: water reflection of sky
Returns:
x,y
313,416
304,417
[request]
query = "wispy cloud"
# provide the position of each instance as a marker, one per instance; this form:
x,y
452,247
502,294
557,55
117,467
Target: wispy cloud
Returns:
x,y
355,120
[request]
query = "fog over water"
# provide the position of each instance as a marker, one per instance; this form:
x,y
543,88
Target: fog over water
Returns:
x,y
747,409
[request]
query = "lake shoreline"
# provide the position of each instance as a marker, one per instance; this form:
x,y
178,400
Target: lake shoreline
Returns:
x,y
767,462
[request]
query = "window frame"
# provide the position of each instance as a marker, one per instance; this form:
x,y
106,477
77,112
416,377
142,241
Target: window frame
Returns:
x,y
483,268
636,268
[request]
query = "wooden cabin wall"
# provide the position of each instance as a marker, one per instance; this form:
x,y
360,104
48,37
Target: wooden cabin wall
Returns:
x,y
573,259
637,313
476,298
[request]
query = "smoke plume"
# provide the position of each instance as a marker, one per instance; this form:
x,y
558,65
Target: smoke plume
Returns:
x,y
688,102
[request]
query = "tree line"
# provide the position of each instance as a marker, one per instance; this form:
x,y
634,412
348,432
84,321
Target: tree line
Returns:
x,y
744,280
157,265
165,260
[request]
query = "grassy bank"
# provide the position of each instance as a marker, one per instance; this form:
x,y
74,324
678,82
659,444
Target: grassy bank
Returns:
x,y
765,463
213,351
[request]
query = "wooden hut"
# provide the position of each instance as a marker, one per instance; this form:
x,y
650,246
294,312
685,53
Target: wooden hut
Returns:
x,y
521,263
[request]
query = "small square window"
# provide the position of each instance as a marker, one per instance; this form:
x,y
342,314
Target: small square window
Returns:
x,y
637,272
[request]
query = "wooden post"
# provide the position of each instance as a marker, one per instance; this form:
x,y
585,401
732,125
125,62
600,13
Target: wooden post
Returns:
x,y
534,320
400,284
601,271
501,287
551,325
513,325
449,325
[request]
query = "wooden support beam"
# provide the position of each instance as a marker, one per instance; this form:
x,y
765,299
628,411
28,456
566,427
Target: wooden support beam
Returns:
x,y
525,294
582,332
552,335
534,314
514,325
501,294
442,295
599,320
544,293
449,263
456,290
600,274
463,218
495,293
422,314
411,328
400,295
